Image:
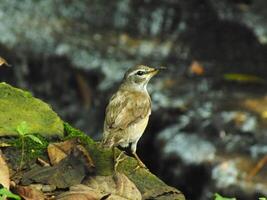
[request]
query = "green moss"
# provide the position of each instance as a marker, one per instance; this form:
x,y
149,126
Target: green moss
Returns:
x,y
32,149
71,132
102,158
17,105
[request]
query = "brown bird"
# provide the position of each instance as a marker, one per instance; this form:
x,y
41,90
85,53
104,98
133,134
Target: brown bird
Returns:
x,y
128,112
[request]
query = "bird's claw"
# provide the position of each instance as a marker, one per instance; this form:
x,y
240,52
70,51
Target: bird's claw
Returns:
x,y
140,166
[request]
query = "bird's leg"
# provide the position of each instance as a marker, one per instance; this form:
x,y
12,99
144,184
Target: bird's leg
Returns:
x,y
114,157
140,164
117,160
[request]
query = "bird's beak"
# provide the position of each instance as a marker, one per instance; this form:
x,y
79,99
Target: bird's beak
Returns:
x,y
155,70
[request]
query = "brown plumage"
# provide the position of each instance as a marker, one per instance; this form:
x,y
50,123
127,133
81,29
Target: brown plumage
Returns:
x,y
125,110
128,111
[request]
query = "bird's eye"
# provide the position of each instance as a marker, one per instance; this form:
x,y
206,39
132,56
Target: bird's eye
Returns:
x,y
140,73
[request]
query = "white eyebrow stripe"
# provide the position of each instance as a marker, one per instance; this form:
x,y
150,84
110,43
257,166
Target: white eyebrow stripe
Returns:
x,y
133,72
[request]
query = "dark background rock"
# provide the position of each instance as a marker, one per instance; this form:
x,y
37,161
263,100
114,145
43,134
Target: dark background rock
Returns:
x,y
72,54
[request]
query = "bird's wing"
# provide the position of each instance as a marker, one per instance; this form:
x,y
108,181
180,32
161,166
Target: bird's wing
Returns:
x,y
126,108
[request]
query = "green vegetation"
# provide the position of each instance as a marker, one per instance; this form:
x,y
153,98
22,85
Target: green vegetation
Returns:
x,y
243,78
32,145
75,133
23,131
5,193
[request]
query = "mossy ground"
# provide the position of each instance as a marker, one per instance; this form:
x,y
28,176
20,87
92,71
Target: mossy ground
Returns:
x,y
32,150
103,158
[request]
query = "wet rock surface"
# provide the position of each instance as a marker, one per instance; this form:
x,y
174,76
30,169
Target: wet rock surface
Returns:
x,y
203,125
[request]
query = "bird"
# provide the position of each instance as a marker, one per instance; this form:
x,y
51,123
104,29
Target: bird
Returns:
x,y
127,113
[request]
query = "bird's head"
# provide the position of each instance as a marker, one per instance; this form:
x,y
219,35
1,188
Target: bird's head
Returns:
x,y
139,76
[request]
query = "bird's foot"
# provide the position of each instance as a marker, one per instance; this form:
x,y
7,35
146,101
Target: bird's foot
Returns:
x,y
140,165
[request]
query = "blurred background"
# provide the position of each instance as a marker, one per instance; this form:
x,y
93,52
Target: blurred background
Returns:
x,y
207,131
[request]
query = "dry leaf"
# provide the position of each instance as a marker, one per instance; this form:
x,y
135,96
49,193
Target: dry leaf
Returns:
x,y
80,192
4,144
117,185
29,193
81,152
69,171
3,62
60,150
257,105
196,68
4,172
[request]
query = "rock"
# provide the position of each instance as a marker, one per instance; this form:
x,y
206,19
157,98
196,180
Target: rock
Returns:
x,y
17,106
147,183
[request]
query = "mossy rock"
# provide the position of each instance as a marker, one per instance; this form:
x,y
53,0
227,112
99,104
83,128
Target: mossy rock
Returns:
x,y
17,106
150,186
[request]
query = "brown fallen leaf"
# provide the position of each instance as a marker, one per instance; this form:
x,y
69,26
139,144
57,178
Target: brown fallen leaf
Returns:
x,y
43,188
117,185
81,152
60,150
4,62
80,192
4,172
69,171
29,193
257,105
196,68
